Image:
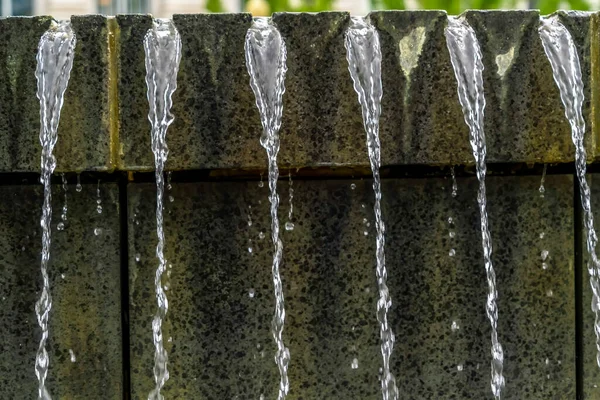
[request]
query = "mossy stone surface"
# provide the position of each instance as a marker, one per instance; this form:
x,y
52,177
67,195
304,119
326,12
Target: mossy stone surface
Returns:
x,y
84,275
221,296
83,134
421,120
217,124
524,116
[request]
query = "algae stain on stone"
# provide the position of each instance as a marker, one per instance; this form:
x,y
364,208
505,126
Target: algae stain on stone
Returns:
x,y
411,46
504,61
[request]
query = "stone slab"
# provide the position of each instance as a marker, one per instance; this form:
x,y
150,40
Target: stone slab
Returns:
x,y
85,285
83,140
216,122
221,301
421,120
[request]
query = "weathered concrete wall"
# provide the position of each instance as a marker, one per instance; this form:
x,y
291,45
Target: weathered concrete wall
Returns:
x,y
219,340
85,285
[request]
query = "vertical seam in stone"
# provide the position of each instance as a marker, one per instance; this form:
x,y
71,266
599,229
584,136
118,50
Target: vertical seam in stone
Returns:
x,y
113,94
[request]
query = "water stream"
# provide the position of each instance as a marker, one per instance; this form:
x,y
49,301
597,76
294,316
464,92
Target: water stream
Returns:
x,y
162,45
266,63
468,69
562,54
54,62
364,63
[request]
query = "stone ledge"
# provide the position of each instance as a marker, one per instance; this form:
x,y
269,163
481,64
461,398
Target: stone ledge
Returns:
x,y
84,139
217,125
216,122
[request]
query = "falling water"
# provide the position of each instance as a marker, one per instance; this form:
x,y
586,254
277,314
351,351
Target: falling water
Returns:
x,y
542,188
265,60
562,54
98,199
466,58
454,184
63,216
162,45
54,63
364,63
289,225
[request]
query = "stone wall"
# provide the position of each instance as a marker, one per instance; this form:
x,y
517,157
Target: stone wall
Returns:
x,y
220,292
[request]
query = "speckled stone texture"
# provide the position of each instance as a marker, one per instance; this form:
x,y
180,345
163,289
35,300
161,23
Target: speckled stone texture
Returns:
x,y
84,140
85,277
221,301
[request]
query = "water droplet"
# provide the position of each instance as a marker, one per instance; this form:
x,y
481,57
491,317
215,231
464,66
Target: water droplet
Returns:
x,y
459,367
542,234
97,231
249,222
289,226
544,254
366,233
352,186
138,257
251,293
261,184
99,209
78,187
363,205
355,363
454,326
250,250
62,276
452,253
452,234
450,220
171,199
365,220
261,235
544,266
549,293
262,397
60,226
73,359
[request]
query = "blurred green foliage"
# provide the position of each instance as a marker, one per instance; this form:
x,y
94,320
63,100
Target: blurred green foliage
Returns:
x,y
458,6
451,6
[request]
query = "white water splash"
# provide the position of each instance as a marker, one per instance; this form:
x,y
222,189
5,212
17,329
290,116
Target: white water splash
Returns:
x,y
468,69
364,63
566,70
266,63
54,62
162,46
